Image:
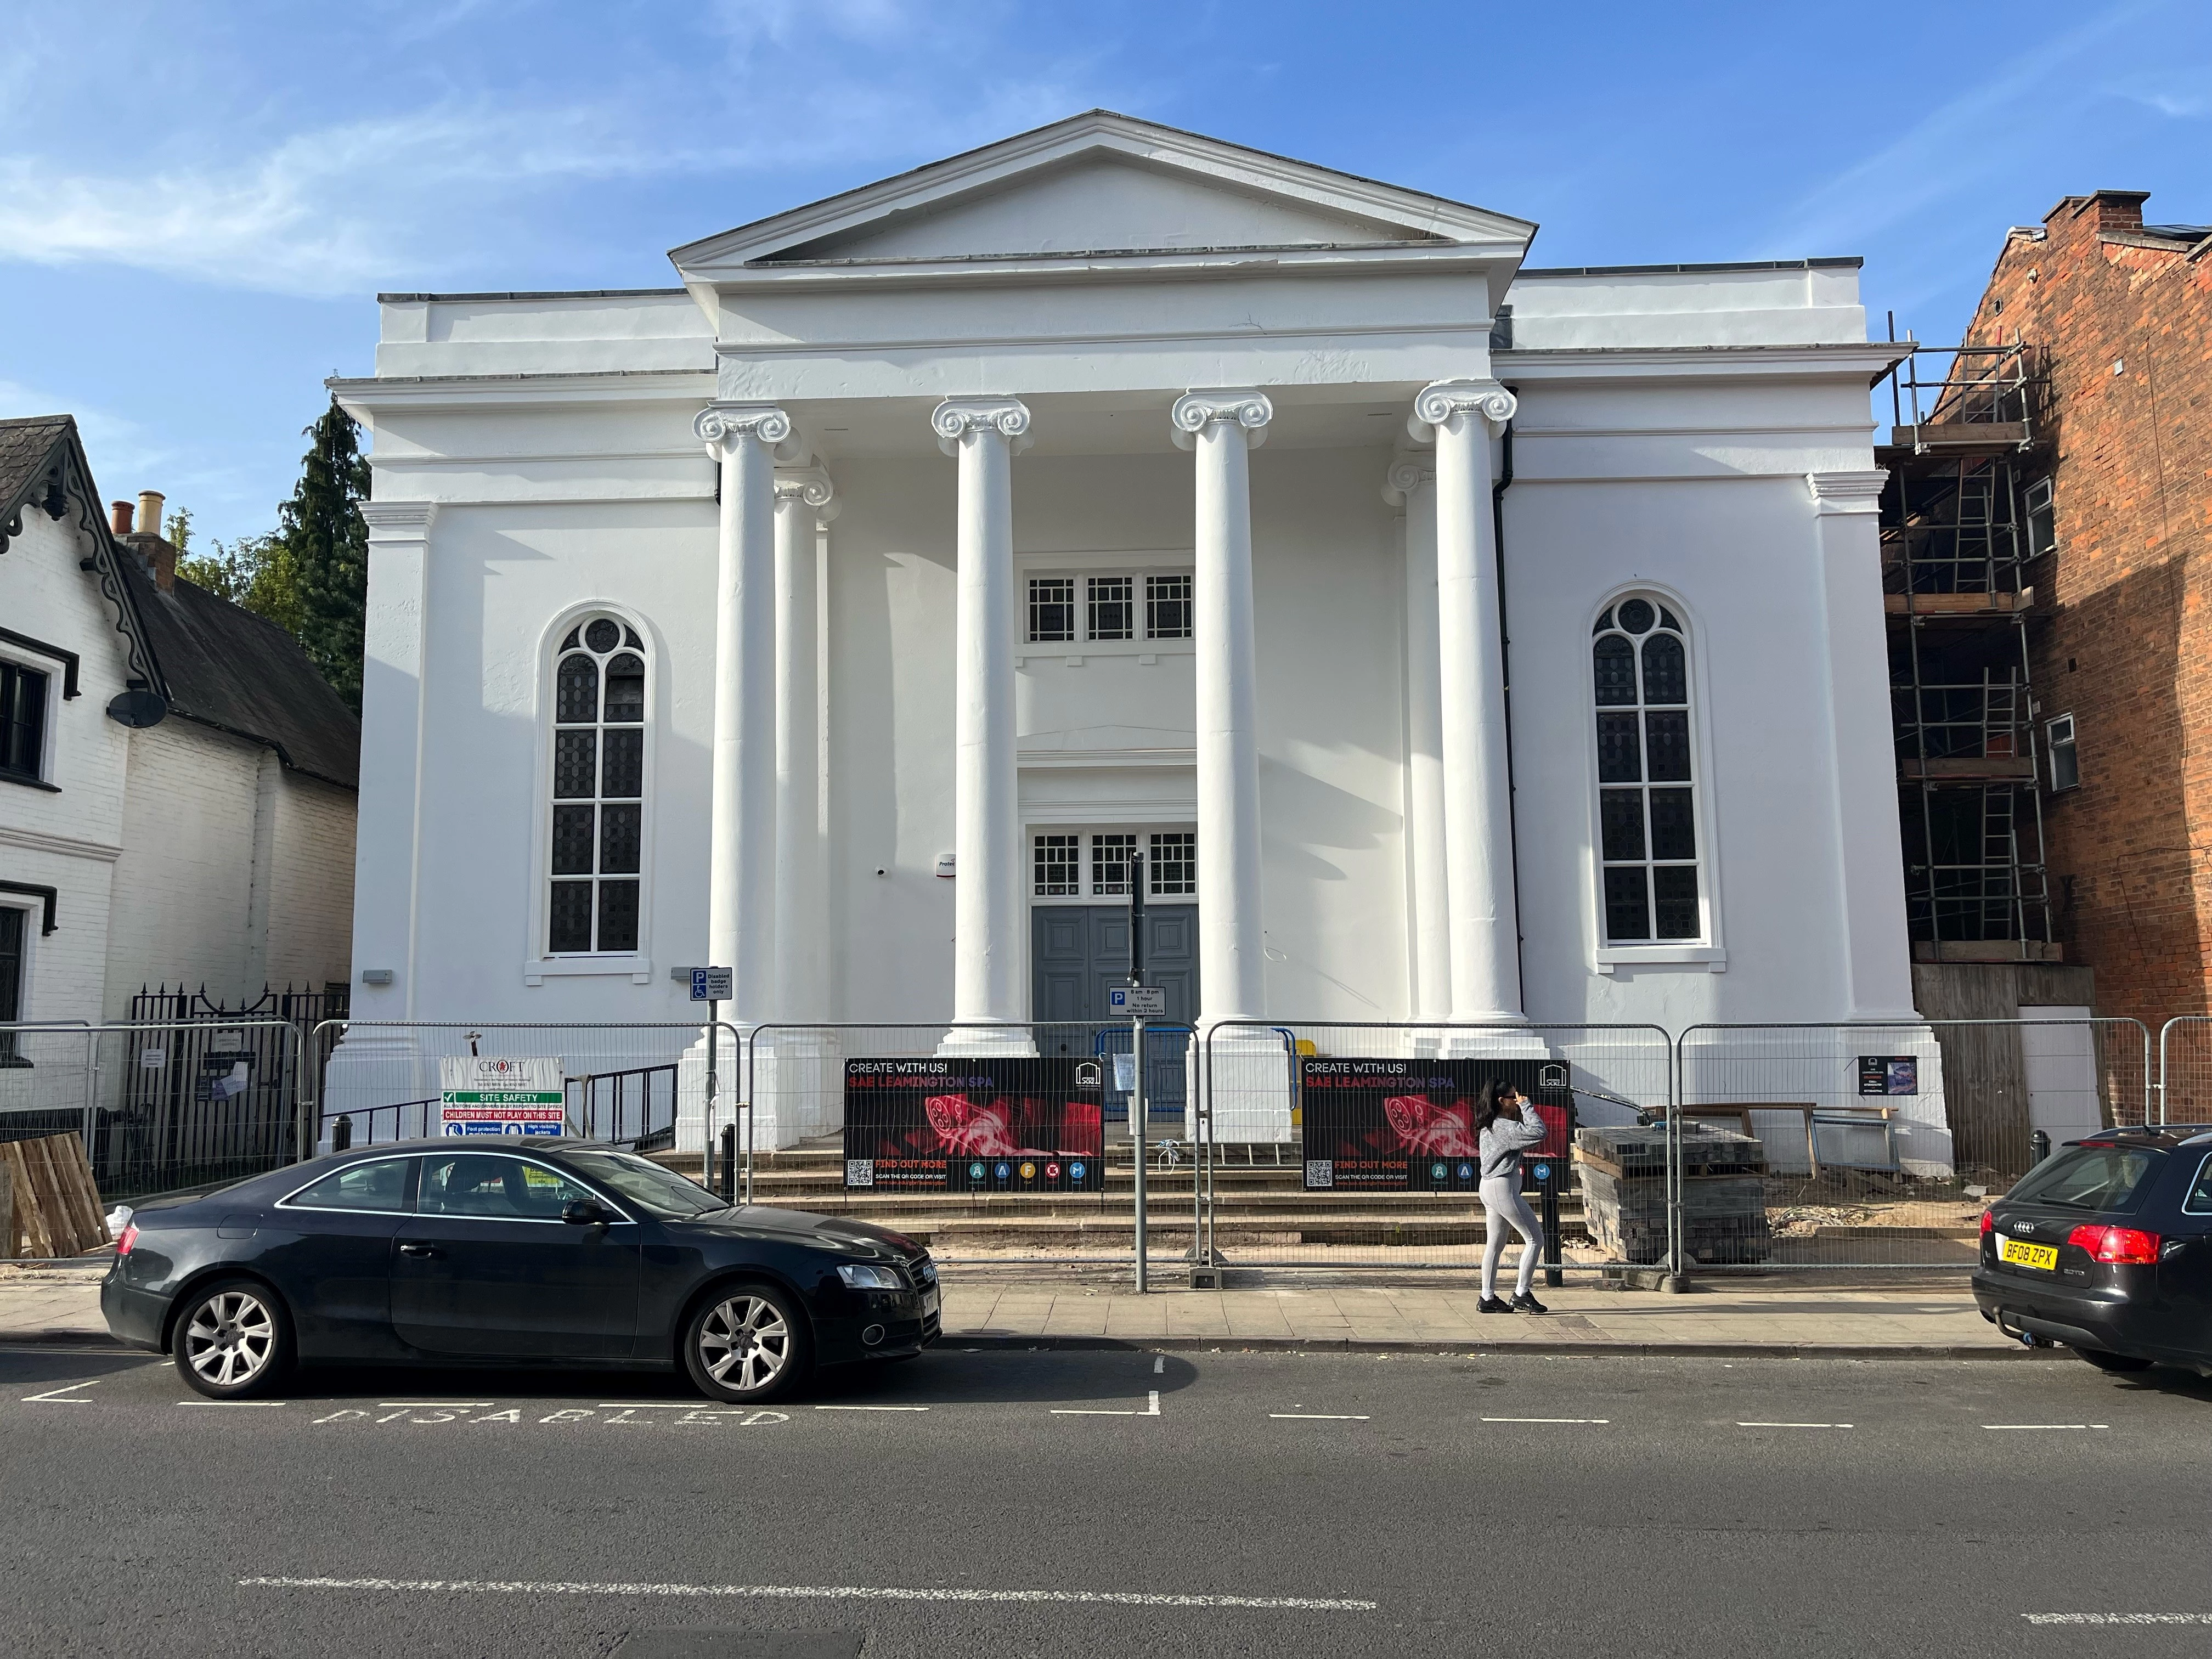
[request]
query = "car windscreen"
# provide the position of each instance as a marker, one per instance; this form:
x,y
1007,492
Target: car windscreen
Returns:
x,y
2105,1178
645,1184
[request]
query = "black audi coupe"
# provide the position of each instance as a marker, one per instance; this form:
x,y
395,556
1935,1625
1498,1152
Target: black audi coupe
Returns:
x,y
545,1250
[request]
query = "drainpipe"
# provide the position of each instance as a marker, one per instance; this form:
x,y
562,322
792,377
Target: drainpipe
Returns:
x,y
1505,656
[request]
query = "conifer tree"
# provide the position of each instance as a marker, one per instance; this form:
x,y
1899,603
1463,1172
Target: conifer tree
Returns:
x,y
327,541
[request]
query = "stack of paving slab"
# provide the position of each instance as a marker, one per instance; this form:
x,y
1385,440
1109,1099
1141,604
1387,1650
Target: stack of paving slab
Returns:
x,y
1623,1171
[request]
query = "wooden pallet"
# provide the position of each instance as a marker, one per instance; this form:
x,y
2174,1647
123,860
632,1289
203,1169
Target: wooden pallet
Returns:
x,y
51,1207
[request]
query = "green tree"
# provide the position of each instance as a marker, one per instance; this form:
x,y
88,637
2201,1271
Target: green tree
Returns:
x,y
253,571
326,543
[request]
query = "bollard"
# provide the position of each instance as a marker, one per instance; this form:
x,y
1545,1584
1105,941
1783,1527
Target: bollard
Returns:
x,y
342,1134
729,1163
2038,1146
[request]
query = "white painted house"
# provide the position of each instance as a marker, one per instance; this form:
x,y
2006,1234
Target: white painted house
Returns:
x,y
176,782
848,614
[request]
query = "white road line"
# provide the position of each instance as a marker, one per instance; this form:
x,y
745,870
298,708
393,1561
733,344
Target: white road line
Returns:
x,y
2046,1426
1547,1419
1322,1417
821,1592
1151,1409
1159,1365
2117,1618
440,1405
1794,1425
59,1396
871,1408
265,1405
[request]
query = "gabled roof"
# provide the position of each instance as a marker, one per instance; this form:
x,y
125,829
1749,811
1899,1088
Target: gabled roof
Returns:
x,y
1131,178
213,662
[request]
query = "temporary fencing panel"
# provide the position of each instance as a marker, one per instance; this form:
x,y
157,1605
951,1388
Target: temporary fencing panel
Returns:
x,y
999,1144
1322,1143
1876,1144
162,1107
642,1086
2185,1070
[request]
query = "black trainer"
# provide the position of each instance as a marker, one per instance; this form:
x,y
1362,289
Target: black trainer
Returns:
x,y
1525,1303
1491,1304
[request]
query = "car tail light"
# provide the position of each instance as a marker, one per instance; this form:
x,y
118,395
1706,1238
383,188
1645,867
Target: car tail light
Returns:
x,y
1988,1223
129,1237
2125,1244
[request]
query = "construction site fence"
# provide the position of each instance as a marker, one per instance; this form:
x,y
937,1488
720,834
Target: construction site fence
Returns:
x,y
1880,1143
1726,1147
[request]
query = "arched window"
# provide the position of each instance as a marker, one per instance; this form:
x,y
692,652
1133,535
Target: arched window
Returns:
x,y
1647,782
598,789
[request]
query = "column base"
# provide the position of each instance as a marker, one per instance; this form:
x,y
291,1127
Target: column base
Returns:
x,y
1017,1041
1507,1039
798,1091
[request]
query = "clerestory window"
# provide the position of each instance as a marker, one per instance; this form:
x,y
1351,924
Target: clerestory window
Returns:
x,y
597,856
1652,887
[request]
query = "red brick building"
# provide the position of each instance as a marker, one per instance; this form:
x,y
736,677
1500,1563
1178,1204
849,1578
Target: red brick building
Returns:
x,y
2118,512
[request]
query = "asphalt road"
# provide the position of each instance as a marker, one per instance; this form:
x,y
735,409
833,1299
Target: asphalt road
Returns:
x,y
1043,1504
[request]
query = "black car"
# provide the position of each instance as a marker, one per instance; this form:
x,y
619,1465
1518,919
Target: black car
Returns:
x,y
2106,1246
551,1250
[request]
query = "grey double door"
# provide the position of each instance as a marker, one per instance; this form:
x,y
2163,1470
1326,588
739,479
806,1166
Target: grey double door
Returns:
x,y
1079,951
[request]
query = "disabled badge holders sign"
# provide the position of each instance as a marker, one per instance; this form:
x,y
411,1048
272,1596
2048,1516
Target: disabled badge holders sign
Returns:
x,y
495,1095
1401,1126
996,1124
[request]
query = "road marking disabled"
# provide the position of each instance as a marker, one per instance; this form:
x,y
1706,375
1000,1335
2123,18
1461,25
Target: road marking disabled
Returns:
x,y
821,1593
1151,1409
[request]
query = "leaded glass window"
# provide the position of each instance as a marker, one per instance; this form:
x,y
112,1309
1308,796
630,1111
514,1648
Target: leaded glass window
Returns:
x,y
1651,889
596,861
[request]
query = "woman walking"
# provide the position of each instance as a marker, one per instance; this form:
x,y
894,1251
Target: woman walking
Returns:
x,y
1506,1126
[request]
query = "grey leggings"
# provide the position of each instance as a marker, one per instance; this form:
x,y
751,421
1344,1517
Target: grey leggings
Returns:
x,y
1502,1203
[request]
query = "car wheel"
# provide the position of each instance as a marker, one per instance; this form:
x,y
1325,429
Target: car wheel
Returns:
x,y
2112,1361
748,1344
232,1338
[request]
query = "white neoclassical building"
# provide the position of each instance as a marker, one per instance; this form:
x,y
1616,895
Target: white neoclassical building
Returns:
x,y
1454,638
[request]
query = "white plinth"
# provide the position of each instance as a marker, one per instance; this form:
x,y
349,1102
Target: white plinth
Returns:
x,y
1248,1079
1012,1042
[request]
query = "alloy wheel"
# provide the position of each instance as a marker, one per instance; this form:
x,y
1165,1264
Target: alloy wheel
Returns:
x,y
230,1339
744,1343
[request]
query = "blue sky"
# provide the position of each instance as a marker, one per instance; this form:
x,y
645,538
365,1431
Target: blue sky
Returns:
x,y
198,203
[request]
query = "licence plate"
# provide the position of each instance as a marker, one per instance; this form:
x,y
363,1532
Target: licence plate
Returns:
x,y
2021,1253
929,1297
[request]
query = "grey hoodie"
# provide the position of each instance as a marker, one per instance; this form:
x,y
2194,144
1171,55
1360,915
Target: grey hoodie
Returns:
x,y
1504,1141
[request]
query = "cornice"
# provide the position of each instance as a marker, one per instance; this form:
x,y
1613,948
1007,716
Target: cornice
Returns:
x,y
431,391
1872,359
399,521
1852,491
65,846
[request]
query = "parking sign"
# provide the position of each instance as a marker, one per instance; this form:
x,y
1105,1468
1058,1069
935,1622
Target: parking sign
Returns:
x,y
710,984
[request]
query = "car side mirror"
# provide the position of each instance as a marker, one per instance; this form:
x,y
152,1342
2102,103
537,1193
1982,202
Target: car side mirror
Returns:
x,y
584,1213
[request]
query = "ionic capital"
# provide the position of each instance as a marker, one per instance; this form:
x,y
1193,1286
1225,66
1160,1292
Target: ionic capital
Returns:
x,y
809,486
1408,474
720,426
957,417
1196,410
1440,401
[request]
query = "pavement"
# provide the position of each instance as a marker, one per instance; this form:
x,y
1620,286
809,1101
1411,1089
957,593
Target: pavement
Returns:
x,y
1088,1504
1771,1315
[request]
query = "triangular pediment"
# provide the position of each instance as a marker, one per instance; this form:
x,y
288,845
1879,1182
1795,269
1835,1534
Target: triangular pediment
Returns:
x,y
1100,184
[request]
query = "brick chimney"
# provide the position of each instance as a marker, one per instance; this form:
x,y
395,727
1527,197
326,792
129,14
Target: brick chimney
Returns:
x,y
2112,209
160,558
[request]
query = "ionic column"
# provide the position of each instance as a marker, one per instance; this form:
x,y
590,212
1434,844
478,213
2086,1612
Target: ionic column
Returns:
x,y
990,949
1462,417
802,504
1412,485
1222,426
741,854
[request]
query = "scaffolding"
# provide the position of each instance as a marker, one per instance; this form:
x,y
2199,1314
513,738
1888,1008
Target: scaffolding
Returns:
x,y
1966,444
